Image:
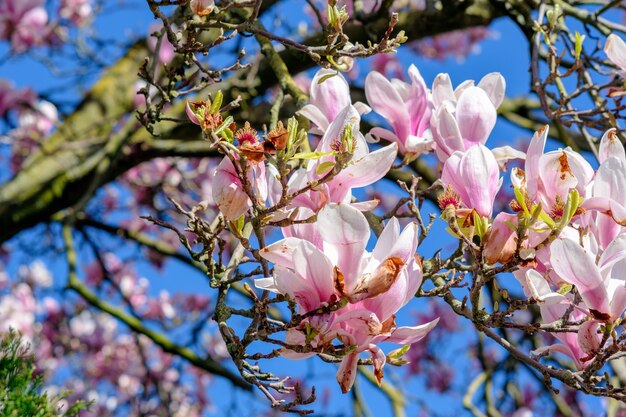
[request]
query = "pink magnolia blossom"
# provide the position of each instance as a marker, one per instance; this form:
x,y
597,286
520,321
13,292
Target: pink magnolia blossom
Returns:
x,y
388,65
407,108
328,97
12,98
34,125
578,346
166,51
549,177
601,284
475,177
363,169
23,23
76,11
458,43
376,285
466,116
227,188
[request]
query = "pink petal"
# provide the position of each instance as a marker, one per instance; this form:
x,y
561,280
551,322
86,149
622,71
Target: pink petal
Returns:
x,y
330,96
386,240
494,85
364,171
281,252
408,335
386,101
345,229
442,90
575,265
346,374
611,146
446,133
475,115
312,265
615,49
481,177
535,151
316,116
588,337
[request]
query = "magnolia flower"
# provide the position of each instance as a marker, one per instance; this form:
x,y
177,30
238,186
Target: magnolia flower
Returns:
x,y
10,97
475,177
466,116
407,108
375,285
579,346
549,177
76,11
23,23
601,284
363,169
329,95
228,192
166,51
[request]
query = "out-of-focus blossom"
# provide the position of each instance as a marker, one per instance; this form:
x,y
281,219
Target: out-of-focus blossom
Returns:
x,y
34,125
407,108
388,65
475,177
36,274
17,311
24,23
12,98
376,285
458,44
466,116
329,95
76,11
166,50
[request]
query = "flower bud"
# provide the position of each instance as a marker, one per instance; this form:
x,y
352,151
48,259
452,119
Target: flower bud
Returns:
x,y
501,240
202,7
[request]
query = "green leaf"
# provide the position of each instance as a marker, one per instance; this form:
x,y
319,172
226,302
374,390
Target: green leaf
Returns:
x,y
521,200
239,223
324,167
228,135
225,124
578,46
312,155
216,105
398,353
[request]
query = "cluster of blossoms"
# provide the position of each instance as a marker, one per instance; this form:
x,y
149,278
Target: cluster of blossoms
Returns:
x,y
107,364
563,240
26,23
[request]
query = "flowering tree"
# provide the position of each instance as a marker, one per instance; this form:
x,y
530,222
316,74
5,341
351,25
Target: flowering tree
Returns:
x,y
332,202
